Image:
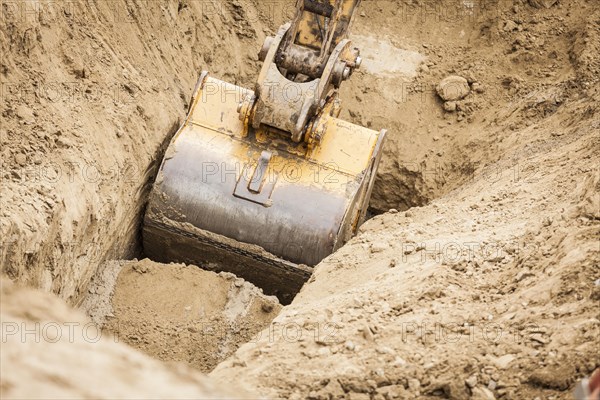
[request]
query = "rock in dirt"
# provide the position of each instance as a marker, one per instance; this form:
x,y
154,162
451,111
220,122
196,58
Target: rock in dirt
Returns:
x,y
21,159
24,113
471,381
393,392
453,88
504,361
477,87
510,26
552,378
332,390
481,393
450,106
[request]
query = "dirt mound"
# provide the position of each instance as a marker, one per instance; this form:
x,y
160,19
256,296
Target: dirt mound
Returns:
x,y
50,351
182,313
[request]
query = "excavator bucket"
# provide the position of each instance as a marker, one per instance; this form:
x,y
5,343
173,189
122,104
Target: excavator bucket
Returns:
x,y
229,197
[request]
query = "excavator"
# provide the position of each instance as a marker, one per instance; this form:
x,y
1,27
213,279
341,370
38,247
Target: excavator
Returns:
x,y
266,183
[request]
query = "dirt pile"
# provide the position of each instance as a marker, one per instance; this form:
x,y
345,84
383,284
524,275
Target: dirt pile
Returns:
x,y
182,313
50,351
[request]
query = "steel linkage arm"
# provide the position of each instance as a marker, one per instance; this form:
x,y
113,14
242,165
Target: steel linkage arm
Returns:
x,y
304,64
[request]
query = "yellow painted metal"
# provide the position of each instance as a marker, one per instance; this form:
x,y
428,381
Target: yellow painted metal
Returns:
x,y
345,149
218,107
266,184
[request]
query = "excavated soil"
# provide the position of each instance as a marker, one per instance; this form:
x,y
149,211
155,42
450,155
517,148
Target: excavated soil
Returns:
x,y
50,351
479,280
181,313
91,92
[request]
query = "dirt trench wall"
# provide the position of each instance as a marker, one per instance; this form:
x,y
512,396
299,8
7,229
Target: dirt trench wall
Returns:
x,y
407,308
90,92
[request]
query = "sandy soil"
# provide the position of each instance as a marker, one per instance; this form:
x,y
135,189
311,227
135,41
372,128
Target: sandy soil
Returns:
x,y
184,314
490,292
521,61
52,352
90,93
482,283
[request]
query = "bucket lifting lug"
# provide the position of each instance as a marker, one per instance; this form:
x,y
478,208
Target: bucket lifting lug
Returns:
x,y
259,186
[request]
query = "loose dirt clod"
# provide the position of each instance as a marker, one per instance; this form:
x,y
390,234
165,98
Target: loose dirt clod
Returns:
x,y
64,356
453,88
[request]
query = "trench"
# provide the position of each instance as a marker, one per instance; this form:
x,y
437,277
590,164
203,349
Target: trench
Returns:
x,y
210,316
132,241
177,312
187,314
182,313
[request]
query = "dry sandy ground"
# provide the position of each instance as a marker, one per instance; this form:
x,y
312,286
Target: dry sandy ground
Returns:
x,y
90,93
181,313
490,292
52,352
488,287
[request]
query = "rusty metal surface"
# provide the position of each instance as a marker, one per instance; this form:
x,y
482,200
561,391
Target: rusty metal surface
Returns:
x,y
302,60
198,186
288,105
322,26
282,103
267,183
317,7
